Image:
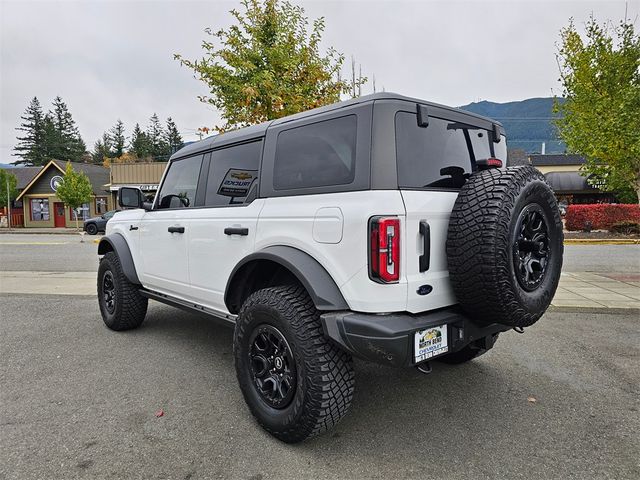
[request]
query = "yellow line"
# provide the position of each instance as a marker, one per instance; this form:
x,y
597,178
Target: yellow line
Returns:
x,y
603,241
33,243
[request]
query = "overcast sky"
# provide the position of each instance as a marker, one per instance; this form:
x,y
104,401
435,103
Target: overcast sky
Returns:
x,y
114,59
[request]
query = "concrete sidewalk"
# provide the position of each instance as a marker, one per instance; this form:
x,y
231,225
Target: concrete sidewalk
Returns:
x,y
577,289
598,290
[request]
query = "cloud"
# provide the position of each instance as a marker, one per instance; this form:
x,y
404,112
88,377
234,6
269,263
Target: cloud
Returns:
x,y
111,60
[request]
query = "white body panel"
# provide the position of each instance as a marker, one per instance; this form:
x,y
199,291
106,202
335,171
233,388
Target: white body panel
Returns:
x,y
434,208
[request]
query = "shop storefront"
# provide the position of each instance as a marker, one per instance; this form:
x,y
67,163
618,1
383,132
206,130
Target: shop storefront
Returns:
x,y
42,208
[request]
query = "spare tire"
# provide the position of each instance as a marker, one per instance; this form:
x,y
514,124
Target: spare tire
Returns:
x,y
504,246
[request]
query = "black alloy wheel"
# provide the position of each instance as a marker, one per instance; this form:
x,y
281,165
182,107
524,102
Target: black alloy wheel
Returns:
x,y
92,229
109,292
273,367
531,247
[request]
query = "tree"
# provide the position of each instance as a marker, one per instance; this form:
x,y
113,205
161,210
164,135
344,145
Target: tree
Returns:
x,y
6,177
74,189
268,65
118,139
600,120
101,149
172,137
140,145
31,147
65,140
155,135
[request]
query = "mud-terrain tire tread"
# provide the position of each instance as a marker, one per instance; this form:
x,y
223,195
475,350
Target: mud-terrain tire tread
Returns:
x,y
326,391
131,307
478,246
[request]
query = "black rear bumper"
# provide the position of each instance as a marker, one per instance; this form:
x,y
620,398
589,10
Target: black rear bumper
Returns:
x,y
389,339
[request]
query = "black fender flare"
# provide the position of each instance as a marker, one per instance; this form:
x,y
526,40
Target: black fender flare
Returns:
x,y
321,287
117,243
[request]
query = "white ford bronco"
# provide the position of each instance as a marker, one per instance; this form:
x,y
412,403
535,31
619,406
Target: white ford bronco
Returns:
x,y
384,227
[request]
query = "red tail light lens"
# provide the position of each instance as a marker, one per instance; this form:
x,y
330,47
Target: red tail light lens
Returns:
x,y
489,163
384,249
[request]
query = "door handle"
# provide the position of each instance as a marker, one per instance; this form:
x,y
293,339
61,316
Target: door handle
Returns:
x,y
236,231
423,260
175,229
131,227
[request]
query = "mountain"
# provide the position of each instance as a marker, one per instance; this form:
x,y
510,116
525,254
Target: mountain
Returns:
x,y
528,123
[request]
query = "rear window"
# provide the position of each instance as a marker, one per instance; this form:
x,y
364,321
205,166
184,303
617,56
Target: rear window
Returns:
x,y
438,156
316,155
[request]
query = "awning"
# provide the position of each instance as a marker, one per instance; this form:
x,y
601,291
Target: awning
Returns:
x,y
569,182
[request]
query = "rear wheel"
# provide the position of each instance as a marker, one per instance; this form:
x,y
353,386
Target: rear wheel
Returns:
x,y
121,305
296,383
92,229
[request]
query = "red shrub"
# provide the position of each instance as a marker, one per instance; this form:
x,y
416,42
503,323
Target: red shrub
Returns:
x,y
602,216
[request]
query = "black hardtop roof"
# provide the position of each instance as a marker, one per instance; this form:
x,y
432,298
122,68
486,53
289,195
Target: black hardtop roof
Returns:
x,y
253,131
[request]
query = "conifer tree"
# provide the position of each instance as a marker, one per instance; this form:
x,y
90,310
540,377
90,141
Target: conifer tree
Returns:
x,y
31,146
172,137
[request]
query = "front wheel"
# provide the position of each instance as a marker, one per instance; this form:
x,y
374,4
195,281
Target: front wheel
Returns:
x,y
121,305
296,383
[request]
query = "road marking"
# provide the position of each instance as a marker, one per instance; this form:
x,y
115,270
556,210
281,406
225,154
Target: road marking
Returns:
x,y
33,243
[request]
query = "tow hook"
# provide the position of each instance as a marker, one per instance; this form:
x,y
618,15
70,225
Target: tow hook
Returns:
x,y
519,329
424,367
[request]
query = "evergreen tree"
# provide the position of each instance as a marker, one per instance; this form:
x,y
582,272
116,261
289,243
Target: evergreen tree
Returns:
x,y
118,139
67,143
155,134
31,147
172,137
139,145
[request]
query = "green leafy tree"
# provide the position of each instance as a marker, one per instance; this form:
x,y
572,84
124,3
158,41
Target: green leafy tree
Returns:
x,y
74,189
7,178
31,146
600,120
139,145
172,137
268,65
118,139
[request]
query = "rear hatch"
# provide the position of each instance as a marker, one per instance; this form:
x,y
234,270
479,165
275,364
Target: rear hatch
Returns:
x,y
433,163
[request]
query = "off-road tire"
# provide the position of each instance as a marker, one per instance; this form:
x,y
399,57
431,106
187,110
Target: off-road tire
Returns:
x,y
324,373
130,307
92,229
482,242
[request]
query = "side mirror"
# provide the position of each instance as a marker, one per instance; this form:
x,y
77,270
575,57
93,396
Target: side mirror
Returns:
x,y
130,197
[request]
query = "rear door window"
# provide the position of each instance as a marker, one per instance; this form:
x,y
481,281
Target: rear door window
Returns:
x,y
316,155
232,174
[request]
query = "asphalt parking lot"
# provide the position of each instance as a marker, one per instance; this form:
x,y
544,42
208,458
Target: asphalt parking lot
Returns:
x,y
79,401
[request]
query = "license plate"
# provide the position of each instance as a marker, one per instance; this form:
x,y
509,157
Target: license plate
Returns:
x,y
430,343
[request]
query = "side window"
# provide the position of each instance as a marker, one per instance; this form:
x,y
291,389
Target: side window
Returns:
x,y
437,156
179,187
316,155
233,171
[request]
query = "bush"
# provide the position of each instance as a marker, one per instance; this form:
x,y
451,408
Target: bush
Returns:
x,y
601,216
626,228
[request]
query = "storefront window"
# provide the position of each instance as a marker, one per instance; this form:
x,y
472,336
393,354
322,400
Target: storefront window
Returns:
x,y
39,209
101,205
82,212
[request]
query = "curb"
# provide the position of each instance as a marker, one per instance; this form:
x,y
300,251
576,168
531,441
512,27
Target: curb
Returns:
x,y
602,241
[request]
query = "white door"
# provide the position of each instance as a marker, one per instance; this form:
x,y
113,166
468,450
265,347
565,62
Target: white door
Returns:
x,y
223,232
164,230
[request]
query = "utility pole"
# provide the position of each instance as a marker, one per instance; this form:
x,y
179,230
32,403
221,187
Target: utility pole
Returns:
x,y
8,205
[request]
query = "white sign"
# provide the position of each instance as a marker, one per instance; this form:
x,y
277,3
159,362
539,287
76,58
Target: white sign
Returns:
x,y
237,182
55,181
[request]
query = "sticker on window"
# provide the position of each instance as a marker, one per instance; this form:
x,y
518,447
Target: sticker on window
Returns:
x,y
236,182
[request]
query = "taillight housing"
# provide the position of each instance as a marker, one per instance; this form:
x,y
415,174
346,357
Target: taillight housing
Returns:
x,y
384,249
486,163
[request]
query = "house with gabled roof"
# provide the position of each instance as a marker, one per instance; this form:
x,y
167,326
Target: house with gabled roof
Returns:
x,y
41,206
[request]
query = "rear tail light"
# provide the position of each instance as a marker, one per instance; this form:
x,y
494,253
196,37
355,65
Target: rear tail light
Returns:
x,y
384,249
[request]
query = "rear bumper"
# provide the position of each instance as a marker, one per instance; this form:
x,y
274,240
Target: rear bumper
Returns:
x,y
389,339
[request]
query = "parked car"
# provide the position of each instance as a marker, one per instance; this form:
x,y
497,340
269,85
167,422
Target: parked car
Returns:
x,y
382,227
98,224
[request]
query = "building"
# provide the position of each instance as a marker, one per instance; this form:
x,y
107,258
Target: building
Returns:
x,y
145,176
562,171
41,207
